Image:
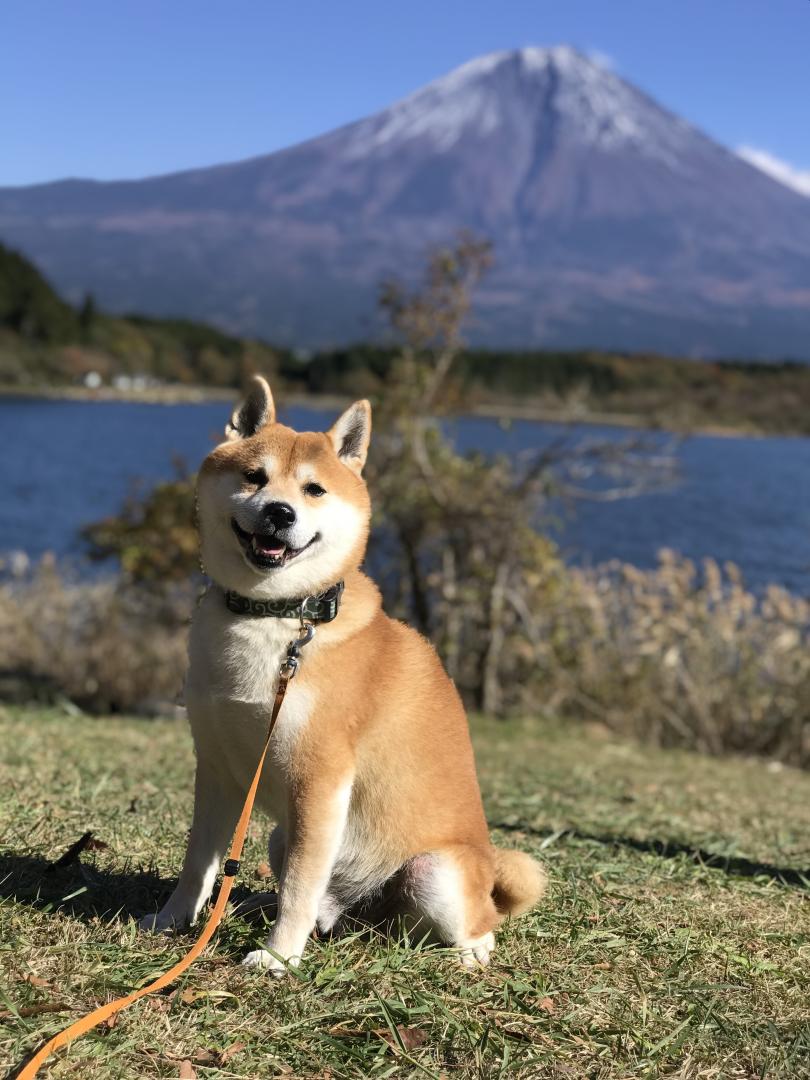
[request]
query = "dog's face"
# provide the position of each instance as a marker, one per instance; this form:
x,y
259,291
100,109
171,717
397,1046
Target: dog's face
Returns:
x,y
284,514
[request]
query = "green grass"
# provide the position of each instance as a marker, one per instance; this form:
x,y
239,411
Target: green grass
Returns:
x,y
642,961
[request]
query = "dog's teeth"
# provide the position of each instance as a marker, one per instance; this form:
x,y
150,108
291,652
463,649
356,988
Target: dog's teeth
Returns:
x,y
272,549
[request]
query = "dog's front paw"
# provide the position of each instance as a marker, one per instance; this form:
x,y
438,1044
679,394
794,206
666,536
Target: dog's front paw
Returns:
x,y
267,961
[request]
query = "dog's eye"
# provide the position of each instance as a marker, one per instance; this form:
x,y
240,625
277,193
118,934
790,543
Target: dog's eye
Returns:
x,y
314,489
256,476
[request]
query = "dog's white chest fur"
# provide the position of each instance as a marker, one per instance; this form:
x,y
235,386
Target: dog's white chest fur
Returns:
x,y
233,677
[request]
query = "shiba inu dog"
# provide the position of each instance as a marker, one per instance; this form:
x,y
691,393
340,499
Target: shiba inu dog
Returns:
x,y
370,775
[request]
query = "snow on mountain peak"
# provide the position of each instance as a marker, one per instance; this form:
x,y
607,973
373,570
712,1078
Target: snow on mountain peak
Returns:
x,y
533,87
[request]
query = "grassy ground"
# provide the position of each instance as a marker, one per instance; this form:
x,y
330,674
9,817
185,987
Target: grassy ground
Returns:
x,y
644,961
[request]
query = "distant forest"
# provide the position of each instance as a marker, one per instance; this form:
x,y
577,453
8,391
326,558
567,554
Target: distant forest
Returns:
x,y
45,342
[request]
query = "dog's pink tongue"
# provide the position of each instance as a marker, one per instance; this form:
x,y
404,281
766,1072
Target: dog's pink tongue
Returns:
x,y
266,546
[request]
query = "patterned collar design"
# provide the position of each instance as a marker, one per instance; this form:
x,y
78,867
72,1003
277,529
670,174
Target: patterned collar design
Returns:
x,y
314,609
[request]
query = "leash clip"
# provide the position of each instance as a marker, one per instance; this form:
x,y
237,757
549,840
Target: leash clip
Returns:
x,y
306,633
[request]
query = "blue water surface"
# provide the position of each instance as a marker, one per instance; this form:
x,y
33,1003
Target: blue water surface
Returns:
x,y
747,500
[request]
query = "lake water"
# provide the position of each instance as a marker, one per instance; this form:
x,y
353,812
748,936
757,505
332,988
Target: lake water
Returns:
x,y
65,463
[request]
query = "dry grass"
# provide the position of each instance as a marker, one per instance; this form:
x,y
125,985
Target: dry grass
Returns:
x,y
680,657
101,644
638,965
676,656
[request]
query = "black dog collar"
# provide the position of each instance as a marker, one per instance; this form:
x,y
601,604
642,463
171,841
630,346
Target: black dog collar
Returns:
x,y
314,609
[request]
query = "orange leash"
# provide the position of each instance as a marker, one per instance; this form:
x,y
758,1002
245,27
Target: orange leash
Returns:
x,y
104,1012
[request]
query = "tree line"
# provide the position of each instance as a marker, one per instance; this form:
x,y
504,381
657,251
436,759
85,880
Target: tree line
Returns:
x,y
46,342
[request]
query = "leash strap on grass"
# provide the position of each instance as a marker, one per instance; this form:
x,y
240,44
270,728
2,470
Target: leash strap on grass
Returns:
x,y
104,1012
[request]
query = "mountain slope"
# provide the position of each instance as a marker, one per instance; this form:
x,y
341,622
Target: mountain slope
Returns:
x,y
29,306
614,222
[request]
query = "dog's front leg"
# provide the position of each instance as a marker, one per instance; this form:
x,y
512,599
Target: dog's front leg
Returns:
x,y
317,817
217,802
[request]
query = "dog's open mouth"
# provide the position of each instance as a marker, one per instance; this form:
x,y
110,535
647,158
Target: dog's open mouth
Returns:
x,y
265,551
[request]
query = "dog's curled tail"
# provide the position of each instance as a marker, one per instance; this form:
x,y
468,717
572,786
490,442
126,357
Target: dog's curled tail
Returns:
x,y
520,881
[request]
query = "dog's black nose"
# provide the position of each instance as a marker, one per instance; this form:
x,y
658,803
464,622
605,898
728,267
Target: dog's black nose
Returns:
x,y
280,515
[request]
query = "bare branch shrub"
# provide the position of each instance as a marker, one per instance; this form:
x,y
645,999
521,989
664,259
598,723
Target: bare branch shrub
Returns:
x,y
106,645
677,656
459,534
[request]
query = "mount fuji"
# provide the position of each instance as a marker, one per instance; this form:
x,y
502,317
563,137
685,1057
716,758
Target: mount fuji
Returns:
x,y
615,223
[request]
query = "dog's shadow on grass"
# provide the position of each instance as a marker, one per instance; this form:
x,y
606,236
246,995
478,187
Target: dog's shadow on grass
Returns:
x,y
86,891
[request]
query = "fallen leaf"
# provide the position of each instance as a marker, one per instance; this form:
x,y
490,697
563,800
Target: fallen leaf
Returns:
x,y
187,1070
72,853
547,1004
199,1057
225,1056
35,980
33,1010
411,1036
163,1001
205,1057
263,871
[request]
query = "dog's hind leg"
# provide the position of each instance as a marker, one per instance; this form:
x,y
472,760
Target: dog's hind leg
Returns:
x,y
447,895
217,802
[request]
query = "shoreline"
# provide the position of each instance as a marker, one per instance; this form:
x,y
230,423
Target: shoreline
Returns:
x,y
496,410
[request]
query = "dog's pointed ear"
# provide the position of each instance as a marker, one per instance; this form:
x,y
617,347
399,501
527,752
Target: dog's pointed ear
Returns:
x,y
256,411
350,435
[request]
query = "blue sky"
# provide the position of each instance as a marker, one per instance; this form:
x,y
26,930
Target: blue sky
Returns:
x,y
123,89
